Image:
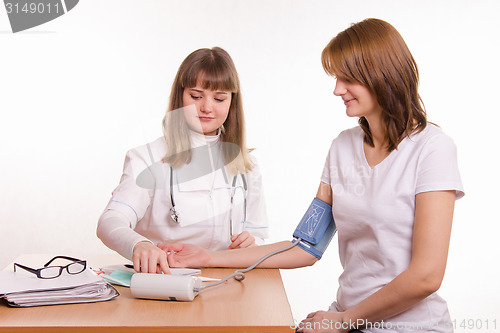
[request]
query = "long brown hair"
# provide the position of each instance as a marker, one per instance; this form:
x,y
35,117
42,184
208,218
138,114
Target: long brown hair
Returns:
x,y
373,54
214,70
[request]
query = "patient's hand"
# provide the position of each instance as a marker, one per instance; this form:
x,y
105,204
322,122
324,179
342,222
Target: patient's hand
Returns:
x,y
185,255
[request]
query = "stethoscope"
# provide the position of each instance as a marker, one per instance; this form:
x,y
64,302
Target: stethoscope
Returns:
x,y
175,215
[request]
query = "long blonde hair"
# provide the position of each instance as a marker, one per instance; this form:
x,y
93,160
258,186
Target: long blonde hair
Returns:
x,y
214,70
373,54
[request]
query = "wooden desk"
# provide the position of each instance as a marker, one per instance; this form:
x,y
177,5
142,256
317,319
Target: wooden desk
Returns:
x,y
258,304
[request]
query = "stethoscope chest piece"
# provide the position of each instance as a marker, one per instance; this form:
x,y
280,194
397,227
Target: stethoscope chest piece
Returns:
x,y
174,215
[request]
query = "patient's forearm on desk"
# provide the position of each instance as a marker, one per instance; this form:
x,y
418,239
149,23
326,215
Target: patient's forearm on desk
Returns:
x,y
292,258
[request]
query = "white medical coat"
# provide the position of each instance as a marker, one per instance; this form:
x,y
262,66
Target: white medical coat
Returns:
x,y
140,206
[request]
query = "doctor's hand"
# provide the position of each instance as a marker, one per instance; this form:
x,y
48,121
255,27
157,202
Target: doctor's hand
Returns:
x,y
242,240
148,258
185,255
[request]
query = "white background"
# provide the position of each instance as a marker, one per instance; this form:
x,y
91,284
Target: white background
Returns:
x,y
79,91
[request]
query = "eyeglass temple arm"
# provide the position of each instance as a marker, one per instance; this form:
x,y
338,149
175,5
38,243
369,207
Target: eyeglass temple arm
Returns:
x,y
61,257
35,271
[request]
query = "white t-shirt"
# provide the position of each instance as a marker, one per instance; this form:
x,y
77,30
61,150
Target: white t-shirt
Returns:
x,y
374,212
139,208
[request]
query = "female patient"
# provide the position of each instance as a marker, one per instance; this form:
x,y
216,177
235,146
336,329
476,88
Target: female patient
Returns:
x,y
392,182
197,183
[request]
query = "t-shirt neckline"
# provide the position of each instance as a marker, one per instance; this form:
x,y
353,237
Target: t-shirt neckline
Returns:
x,y
384,161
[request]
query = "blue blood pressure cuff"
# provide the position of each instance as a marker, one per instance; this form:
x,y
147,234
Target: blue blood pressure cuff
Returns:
x,y
316,229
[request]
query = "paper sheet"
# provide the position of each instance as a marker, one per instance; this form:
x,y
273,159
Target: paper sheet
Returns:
x,y
22,290
11,282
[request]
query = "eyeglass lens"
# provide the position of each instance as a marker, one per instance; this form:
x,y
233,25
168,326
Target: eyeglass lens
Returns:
x,y
76,267
50,272
55,271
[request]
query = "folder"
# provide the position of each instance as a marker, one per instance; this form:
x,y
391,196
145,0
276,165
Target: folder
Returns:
x,y
20,289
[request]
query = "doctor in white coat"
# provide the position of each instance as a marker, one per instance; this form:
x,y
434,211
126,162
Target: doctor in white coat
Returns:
x,y
198,183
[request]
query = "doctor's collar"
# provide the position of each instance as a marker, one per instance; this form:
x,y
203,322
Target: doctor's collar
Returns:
x,y
200,139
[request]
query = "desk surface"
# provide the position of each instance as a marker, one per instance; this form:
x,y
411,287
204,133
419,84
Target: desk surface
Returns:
x,y
258,304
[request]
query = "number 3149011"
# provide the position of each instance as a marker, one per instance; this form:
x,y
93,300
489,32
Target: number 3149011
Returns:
x,y
475,324
32,8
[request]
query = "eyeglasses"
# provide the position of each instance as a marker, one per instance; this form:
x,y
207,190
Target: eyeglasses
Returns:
x,y
51,272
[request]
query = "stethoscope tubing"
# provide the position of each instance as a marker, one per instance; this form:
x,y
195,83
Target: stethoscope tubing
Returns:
x,y
175,216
